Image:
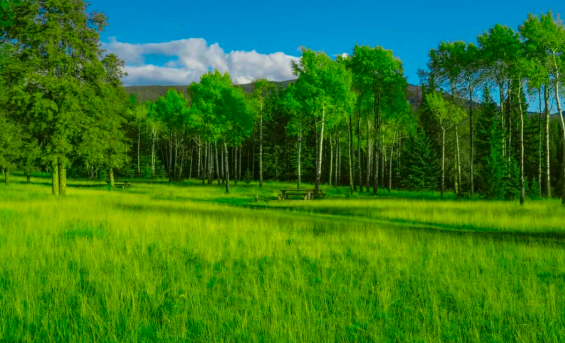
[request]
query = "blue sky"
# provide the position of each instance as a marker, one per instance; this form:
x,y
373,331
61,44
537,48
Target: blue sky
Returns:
x,y
174,42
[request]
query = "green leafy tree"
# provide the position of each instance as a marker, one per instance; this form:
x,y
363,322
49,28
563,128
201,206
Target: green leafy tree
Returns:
x,y
379,74
56,44
546,36
262,89
440,109
329,84
103,140
172,111
207,98
10,147
291,100
498,47
472,64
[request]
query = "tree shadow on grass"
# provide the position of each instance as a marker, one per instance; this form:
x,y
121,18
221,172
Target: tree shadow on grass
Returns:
x,y
335,224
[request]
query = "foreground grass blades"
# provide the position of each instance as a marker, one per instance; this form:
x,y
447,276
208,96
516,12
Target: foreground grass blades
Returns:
x,y
166,263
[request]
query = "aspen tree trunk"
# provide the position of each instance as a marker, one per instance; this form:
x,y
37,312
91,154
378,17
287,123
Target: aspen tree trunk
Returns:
x,y
170,159
560,115
235,166
398,150
227,168
331,160
299,155
261,146
211,164
55,176
175,161
191,160
359,167
217,164
223,166
154,133
471,143
442,161
239,170
369,161
337,158
547,150
253,158
540,141
509,110
522,188
199,168
62,177
501,95
205,164
458,188
339,165
7,177
183,152
383,164
455,184
111,176
351,161
316,156
138,150
253,162
319,171
376,160
458,161
390,168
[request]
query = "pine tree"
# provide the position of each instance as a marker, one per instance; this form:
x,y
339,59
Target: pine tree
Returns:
x,y
492,166
534,191
420,167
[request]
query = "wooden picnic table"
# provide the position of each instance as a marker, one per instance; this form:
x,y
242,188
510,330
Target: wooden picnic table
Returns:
x,y
120,184
308,194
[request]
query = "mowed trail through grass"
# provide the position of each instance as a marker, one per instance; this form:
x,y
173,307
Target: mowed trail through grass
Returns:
x,y
170,263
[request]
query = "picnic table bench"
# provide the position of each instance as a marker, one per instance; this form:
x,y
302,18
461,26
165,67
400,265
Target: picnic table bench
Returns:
x,y
120,184
308,194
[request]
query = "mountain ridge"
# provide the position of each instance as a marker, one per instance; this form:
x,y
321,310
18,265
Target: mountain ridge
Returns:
x,y
152,92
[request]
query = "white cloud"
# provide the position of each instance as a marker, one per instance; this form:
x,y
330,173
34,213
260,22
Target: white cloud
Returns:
x,y
190,58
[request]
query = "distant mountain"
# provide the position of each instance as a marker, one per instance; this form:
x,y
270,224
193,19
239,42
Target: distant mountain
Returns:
x,y
144,93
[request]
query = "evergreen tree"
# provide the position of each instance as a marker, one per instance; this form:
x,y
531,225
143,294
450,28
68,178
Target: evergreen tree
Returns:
x,y
489,138
420,165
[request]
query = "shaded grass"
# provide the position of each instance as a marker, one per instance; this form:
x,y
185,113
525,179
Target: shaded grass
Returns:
x,y
162,263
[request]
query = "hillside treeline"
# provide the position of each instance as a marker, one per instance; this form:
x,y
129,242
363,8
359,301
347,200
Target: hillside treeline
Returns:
x,y
486,125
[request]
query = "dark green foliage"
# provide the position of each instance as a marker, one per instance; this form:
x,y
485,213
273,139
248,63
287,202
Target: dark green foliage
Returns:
x,y
534,191
247,178
511,181
420,164
493,174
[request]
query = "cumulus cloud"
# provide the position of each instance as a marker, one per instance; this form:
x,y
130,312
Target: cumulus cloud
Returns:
x,y
189,59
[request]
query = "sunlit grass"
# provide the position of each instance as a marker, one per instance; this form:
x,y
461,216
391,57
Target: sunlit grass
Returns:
x,y
186,262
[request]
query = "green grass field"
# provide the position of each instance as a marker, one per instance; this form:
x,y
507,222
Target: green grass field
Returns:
x,y
188,263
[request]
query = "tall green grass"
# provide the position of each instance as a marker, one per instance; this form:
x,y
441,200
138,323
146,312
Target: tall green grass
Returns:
x,y
186,262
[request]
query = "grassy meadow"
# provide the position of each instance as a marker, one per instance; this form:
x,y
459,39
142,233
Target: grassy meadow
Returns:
x,y
162,262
